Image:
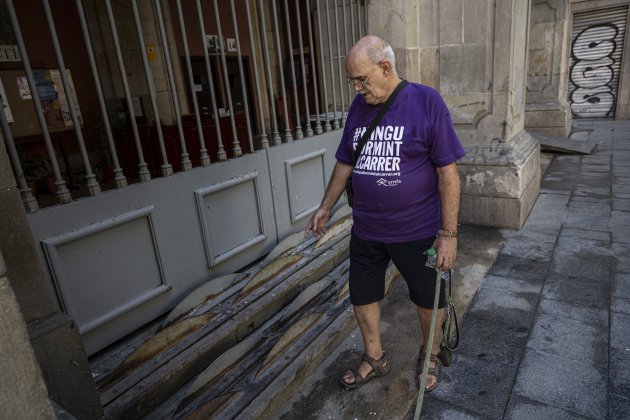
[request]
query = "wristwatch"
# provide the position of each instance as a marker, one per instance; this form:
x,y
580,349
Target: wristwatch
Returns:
x,y
447,233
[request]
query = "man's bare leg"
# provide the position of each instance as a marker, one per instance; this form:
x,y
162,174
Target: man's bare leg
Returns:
x,y
369,320
425,323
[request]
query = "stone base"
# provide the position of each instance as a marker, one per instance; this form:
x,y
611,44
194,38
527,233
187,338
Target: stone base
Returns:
x,y
550,118
500,183
65,367
508,213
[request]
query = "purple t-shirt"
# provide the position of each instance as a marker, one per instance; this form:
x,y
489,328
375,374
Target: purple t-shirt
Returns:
x,y
395,182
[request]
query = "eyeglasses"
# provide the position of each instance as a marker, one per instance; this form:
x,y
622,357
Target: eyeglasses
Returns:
x,y
361,80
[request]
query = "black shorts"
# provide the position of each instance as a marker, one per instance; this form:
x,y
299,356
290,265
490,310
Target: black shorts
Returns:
x,y
368,263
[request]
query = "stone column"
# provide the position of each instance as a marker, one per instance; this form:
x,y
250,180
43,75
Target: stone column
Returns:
x,y
54,337
22,390
475,55
547,110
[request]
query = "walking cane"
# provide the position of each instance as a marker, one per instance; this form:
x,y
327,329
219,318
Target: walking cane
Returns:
x,y
427,360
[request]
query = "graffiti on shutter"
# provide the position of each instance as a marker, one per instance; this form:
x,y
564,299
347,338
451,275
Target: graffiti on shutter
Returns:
x,y
596,51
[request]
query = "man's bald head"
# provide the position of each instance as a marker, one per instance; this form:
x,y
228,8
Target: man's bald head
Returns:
x,y
374,48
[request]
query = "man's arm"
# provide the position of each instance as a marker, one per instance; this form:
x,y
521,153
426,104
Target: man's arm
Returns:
x,y
449,188
336,186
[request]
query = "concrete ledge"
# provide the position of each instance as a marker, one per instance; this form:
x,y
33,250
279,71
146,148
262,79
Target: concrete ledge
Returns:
x,y
498,211
500,182
551,118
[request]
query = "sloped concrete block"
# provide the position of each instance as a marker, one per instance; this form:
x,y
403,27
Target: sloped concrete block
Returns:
x,y
497,211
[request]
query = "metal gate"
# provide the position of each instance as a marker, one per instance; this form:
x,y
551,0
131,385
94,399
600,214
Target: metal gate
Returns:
x,y
159,144
596,54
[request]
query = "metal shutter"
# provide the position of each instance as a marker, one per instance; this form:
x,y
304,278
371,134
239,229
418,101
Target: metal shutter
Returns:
x,y
596,49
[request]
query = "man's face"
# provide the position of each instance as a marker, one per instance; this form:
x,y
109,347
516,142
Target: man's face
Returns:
x,y
367,79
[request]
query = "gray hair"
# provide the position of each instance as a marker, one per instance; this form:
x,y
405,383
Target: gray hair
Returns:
x,y
380,52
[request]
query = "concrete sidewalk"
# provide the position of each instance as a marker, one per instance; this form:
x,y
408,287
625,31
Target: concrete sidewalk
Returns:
x,y
546,336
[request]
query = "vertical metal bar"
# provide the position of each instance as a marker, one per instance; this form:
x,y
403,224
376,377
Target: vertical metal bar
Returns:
x,y
204,158
236,146
359,18
345,42
62,193
221,155
365,16
298,127
166,167
120,181
318,125
276,29
93,187
343,106
143,171
186,163
323,67
309,130
354,39
242,74
332,69
264,143
29,202
276,135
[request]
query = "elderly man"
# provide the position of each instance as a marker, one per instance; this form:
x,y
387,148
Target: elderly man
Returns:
x,y
406,199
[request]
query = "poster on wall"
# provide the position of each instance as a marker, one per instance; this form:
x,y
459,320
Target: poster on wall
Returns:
x,y
52,96
5,104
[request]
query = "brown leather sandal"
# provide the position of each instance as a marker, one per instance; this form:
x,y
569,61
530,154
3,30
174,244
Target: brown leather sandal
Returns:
x,y
433,371
380,368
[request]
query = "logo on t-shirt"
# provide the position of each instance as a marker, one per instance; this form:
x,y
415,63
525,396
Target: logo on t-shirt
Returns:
x,y
385,183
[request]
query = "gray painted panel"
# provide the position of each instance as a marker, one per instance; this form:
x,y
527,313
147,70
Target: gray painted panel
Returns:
x,y
230,213
120,267
306,183
308,188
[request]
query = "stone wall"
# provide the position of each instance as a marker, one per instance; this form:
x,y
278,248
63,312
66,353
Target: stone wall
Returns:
x,y
55,341
22,390
547,109
475,55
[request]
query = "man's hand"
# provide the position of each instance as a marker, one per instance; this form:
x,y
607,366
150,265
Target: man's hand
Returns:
x,y
446,248
317,224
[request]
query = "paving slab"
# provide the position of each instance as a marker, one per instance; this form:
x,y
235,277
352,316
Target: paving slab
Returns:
x,y
620,255
570,338
561,382
621,285
621,204
621,305
438,410
619,407
594,316
594,215
524,409
574,260
492,339
519,268
621,191
586,234
506,284
580,243
583,291
548,214
481,387
621,233
530,245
